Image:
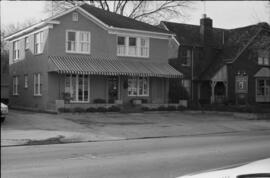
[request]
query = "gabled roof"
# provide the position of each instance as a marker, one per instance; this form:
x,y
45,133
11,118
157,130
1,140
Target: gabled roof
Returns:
x,y
231,42
110,20
189,35
119,21
263,72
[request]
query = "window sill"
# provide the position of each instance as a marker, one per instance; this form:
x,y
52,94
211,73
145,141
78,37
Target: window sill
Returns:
x,y
133,56
79,102
75,52
186,65
15,95
138,95
37,54
38,95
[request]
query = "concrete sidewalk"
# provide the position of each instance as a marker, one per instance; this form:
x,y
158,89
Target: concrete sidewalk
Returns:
x,y
31,128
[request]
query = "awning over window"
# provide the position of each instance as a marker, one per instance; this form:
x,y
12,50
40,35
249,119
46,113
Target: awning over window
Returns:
x,y
94,66
263,72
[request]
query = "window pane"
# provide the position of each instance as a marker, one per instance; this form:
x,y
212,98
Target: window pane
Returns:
x,y
80,88
132,41
73,87
85,85
121,40
71,36
140,86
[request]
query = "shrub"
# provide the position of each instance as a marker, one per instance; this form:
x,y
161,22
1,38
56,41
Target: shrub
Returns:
x,y
144,101
64,109
171,108
177,91
146,109
101,109
161,108
99,101
113,109
78,109
91,109
181,108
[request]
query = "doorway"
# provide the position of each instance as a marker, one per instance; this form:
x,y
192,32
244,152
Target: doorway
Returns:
x,y
113,89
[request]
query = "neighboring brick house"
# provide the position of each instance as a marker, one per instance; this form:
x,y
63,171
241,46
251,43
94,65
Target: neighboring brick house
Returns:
x,y
88,54
223,65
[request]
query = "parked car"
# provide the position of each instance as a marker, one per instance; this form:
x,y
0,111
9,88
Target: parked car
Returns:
x,y
4,111
257,169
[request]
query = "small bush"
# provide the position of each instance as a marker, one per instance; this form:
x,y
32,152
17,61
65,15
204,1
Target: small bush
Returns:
x,y
181,108
64,110
161,108
113,109
91,109
171,108
99,101
78,109
101,109
144,101
146,109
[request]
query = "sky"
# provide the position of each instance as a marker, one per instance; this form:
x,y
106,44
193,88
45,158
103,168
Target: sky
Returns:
x,y
225,14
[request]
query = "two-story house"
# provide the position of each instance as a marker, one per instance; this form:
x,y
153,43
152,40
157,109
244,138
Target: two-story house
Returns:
x,y
87,54
223,65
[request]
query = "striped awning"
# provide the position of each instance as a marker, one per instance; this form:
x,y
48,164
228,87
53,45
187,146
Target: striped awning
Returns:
x,y
95,66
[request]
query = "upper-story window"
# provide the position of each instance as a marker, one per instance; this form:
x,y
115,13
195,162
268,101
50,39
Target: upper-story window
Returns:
x,y
38,42
264,58
186,57
26,42
132,46
75,16
16,52
78,42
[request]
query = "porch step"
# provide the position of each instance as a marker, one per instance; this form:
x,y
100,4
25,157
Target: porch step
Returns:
x,y
130,108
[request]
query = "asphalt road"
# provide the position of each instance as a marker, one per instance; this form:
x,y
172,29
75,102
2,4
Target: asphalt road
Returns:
x,y
155,158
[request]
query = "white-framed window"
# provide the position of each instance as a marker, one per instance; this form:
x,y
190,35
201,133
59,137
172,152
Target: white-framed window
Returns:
x,y
132,46
15,85
38,42
138,86
78,41
264,58
26,42
25,81
75,16
78,86
37,84
186,57
263,90
16,52
186,84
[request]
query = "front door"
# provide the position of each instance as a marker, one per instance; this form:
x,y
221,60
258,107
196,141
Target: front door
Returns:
x,y
113,88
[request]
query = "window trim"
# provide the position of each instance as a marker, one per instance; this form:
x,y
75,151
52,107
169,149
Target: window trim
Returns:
x,y
15,90
15,51
77,36
138,87
189,59
77,88
41,43
26,81
75,17
38,92
26,44
262,98
137,47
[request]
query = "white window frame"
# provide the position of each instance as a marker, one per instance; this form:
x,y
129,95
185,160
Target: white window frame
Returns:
x,y
187,57
138,47
25,80
38,44
78,42
15,84
76,99
137,86
37,81
75,16
16,51
187,85
26,42
266,95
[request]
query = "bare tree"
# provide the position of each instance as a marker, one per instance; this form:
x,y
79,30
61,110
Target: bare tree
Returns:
x,y
146,11
11,28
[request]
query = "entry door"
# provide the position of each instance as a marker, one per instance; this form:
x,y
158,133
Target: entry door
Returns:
x,y
113,89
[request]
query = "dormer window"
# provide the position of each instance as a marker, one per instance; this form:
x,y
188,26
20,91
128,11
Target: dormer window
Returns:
x,y
75,16
263,58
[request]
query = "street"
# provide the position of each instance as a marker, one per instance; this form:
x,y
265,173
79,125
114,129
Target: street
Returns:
x,y
158,157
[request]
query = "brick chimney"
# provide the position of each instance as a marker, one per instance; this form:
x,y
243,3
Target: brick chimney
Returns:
x,y
206,30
